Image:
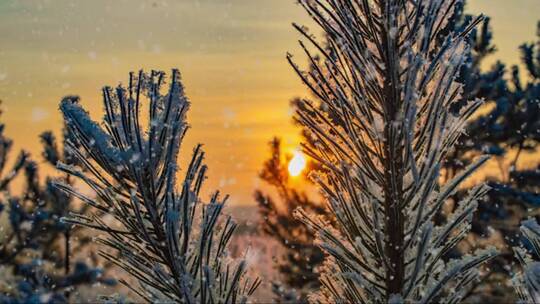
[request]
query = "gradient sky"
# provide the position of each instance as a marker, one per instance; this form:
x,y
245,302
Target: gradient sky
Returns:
x,y
231,54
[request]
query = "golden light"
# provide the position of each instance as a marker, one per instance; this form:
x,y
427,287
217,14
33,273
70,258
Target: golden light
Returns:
x,y
297,163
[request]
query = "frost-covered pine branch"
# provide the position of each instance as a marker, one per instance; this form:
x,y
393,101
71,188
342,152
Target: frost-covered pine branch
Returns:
x,y
168,240
527,282
385,82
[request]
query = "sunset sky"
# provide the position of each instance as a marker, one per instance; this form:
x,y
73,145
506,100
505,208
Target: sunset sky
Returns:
x,y
231,54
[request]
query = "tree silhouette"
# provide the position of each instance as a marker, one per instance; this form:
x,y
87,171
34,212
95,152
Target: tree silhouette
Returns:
x,y
301,256
36,248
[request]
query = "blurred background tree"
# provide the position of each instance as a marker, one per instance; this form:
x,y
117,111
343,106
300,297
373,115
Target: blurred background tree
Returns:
x,y
301,256
508,129
37,250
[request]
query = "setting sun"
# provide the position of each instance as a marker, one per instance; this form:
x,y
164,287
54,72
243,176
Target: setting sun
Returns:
x,y
297,164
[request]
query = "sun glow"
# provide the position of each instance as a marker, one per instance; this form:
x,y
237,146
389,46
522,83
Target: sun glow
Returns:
x,y
297,163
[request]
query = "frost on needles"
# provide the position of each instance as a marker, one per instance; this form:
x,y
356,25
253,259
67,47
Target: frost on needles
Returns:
x,y
527,281
166,238
381,126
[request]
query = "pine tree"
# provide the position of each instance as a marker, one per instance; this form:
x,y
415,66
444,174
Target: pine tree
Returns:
x,y
512,125
298,276
523,185
527,281
300,255
168,240
386,84
508,131
40,256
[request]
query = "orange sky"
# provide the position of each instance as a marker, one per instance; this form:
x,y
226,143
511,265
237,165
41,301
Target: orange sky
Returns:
x,y
231,54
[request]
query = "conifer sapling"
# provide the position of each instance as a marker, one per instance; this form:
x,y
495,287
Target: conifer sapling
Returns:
x,y
168,240
386,83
